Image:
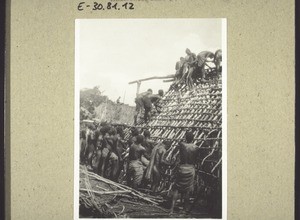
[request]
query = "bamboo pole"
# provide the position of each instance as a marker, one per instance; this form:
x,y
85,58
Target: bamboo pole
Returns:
x,y
153,77
105,192
169,80
123,187
213,169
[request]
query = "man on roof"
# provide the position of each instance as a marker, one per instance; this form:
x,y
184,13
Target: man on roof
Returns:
x,y
189,67
202,58
155,98
142,101
218,60
179,69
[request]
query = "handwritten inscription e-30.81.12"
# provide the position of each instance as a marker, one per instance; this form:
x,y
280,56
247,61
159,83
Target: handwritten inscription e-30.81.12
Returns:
x,y
97,6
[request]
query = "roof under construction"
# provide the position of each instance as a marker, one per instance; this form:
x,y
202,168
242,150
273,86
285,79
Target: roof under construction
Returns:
x,y
197,109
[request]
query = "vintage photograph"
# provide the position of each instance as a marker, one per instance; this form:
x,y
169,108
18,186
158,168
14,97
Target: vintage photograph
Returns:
x,y
150,118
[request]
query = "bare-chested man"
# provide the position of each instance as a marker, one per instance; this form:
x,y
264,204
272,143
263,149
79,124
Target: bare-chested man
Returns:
x,y
134,133
143,101
179,69
112,159
99,147
158,104
97,131
155,98
88,131
135,167
83,146
147,105
121,148
202,58
102,149
218,60
148,144
189,67
91,147
157,163
185,175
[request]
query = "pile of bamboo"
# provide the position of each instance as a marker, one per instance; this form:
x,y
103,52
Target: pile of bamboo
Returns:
x,y
106,198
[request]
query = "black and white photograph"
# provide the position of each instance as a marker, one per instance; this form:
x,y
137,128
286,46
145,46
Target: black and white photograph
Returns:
x,y
150,118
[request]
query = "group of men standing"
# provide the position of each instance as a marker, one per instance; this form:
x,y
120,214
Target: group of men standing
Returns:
x,y
142,160
101,149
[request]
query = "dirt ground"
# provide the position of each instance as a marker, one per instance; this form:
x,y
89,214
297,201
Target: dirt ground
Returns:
x,y
127,206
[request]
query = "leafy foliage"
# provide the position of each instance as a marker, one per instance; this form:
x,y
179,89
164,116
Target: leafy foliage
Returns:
x,y
93,104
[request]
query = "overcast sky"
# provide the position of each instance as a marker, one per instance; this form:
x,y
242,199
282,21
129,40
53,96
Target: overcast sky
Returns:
x,y
113,52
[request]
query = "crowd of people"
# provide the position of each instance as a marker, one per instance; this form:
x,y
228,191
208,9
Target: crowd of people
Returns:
x,y
192,66
137,160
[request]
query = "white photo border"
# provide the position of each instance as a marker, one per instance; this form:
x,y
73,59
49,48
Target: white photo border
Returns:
x,y
77,116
